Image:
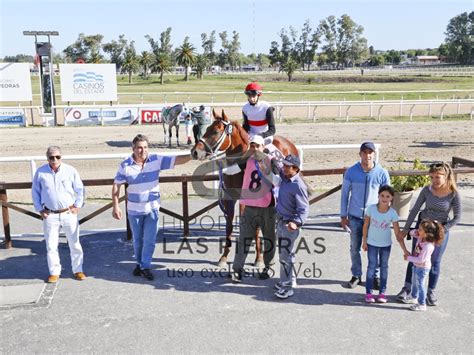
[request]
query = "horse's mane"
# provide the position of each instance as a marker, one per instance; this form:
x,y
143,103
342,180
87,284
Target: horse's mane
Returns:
x,y
243,134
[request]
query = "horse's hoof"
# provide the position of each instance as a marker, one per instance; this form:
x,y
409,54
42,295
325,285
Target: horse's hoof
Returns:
x,y
259,263
222,262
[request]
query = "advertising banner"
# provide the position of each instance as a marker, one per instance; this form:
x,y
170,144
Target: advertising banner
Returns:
x,y
88,82
95,116
154,115
12,117
15,82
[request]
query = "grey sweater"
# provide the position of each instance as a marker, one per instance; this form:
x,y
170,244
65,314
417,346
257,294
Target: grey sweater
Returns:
x,y
436,208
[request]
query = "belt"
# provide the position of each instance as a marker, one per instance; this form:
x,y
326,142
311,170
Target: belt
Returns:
x,y
58,211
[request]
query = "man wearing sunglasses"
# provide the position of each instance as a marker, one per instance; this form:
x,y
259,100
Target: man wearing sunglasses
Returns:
x,y
58,194
258,114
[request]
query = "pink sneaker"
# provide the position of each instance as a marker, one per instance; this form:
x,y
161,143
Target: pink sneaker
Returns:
x,y
381,298
369,298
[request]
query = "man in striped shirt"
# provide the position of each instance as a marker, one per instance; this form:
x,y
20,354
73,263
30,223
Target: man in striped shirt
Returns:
x,y
141,172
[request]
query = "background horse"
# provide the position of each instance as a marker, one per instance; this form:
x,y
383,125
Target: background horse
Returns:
x,y
171,117
224,137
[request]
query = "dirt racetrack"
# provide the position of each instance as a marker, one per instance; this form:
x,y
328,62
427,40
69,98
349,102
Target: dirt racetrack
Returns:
x,y
431,141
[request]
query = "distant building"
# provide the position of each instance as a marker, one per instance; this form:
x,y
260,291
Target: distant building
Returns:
x,y
250,68
215,69
427,59
181,70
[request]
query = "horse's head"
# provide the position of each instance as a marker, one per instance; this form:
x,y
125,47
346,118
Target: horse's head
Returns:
x,y
216,140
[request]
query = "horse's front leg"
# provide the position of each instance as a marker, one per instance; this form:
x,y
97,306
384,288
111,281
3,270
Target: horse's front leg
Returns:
x,y
258,250
165,132
177,135
229,207
170,133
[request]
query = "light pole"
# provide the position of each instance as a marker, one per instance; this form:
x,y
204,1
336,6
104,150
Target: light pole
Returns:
x,y
44,49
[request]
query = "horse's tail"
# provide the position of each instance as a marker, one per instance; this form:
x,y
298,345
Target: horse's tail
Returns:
x,y
165,113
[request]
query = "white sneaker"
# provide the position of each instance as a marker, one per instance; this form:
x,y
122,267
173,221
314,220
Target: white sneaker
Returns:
x,y
284,293
282,285
418,307
410,300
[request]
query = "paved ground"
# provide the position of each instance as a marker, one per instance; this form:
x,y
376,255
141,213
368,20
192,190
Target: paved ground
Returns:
x,y
188,308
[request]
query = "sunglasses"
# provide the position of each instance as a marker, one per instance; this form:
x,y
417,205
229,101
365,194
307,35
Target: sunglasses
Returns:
x,y
437,165
52,157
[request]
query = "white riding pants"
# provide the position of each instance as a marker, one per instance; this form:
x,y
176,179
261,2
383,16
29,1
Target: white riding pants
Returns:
x,y
70,225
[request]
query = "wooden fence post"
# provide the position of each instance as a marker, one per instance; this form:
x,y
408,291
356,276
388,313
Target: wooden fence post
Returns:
x,y
7,244
184,185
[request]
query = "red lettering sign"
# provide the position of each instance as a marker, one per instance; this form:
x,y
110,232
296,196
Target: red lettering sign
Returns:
x,y
151,116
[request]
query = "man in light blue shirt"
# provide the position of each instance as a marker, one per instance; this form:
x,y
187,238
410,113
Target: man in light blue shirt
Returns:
x,y
58,194
360,189
141,172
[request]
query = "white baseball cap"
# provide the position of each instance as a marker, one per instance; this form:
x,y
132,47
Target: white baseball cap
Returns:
x,y
257,139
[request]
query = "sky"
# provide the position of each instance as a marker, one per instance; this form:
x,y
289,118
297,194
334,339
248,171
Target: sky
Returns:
x,y
401,24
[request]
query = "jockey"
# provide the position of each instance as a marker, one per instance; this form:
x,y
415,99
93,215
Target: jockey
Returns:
x,y
258,114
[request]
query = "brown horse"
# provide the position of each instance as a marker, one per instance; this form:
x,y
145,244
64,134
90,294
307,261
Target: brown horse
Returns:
x,y
224,137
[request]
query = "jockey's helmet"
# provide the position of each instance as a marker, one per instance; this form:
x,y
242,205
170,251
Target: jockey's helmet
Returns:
x,y
202,108
253,88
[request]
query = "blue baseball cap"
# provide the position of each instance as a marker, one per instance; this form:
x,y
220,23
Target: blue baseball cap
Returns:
x,y
367,145
292,160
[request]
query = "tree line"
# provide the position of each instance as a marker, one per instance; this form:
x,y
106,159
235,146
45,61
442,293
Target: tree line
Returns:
x,y
335,42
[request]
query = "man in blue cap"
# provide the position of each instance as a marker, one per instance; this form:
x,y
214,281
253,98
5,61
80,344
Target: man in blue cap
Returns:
x,y
359,190
292,211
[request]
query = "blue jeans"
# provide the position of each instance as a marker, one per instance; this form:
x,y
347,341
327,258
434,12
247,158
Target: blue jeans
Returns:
x,y
144,230
377,256
435,265
287,249
418,288
356,224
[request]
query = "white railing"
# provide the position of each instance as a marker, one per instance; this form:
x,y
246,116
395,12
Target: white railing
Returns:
x,y
344,107
238,95
213,96
312,106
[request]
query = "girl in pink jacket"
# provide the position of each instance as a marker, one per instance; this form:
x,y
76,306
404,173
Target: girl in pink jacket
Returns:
x,y
429,234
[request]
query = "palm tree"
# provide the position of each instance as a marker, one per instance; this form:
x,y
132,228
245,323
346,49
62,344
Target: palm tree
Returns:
x,y
186,56
201,64
289,67
162,64
146,60
130,61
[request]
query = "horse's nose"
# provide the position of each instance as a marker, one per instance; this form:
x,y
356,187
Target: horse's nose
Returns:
x,y
194,154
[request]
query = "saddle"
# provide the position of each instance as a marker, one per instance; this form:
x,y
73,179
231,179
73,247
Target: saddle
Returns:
x,y
274,152
165,112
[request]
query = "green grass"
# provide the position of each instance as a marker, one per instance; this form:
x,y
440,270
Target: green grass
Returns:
x,y
311,84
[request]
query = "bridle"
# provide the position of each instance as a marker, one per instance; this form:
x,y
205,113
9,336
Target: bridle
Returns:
x,y
214,150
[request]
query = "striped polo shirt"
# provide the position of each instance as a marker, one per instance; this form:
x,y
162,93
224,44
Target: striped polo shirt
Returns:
x,y
143,187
